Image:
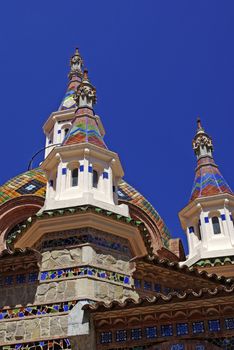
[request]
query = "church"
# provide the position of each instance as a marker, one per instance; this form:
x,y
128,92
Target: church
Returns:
x,y
87,263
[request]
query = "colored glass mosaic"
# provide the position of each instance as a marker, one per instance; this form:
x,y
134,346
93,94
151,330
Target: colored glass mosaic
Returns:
x,y
229,323
151,332
55,344
198,327
121,335
136,334
214,325
208,180
85,271
166,330
28,183
85,129
37,310
177,347
182,329
86,238
22,278
105,337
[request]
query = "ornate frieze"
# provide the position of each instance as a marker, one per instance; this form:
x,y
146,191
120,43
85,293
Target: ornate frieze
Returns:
x,y
54,344
36,310
74,237
85,271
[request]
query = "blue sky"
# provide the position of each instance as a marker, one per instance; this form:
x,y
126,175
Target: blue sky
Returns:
x,y
156,64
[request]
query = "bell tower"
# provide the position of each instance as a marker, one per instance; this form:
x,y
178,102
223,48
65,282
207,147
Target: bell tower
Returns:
x,y
208,217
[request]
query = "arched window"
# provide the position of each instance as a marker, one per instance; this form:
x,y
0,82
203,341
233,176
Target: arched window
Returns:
x,y
191,229
95,178
74,177
66,132
216,225
199,230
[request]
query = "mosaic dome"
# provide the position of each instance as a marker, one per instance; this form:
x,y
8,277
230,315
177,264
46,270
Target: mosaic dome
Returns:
x,y
33,182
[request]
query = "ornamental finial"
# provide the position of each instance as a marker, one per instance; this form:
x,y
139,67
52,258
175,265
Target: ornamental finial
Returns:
x,y
76,64
86,92
199,123
202,142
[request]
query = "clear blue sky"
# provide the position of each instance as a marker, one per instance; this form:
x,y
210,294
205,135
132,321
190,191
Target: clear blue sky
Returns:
x,y
156,65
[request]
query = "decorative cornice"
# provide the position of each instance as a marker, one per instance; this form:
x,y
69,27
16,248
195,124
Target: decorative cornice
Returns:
x,y
192,271
159,299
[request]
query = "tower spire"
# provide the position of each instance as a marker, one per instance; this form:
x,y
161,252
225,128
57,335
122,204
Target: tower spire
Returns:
x,y
208,179
75,77
86,126
86,93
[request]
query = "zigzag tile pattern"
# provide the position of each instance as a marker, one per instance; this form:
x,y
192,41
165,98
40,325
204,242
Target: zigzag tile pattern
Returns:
x,y
130,194
23,182
208,180
85,129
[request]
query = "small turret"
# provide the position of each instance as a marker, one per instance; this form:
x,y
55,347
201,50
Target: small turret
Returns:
x,y
207,219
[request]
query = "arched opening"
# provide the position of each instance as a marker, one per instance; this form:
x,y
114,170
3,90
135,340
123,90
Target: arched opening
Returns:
x,y
95,178
74,177
191,229
66,132
199,230
216,225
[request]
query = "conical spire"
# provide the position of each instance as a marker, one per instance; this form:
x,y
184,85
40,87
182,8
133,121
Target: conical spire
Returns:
x,y
75,77
85,126
208,179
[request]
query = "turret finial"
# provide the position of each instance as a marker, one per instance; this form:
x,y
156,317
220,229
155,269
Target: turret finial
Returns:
x,y
86,92
76,64
202,142
199,123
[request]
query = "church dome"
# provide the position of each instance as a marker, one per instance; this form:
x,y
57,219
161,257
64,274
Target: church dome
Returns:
x,y
33,183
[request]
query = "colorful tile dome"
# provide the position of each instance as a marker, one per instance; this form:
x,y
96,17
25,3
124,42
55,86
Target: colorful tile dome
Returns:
x,y
33,182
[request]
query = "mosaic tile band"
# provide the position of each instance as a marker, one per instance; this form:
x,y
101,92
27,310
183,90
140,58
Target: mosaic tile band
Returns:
x,y
38,310
57,344
85,271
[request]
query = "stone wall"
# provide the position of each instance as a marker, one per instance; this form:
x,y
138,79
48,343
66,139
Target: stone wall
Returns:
x,y
34,328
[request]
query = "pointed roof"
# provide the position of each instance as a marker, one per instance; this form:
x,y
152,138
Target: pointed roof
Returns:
x,y
85,126
208,179
75,77
85,129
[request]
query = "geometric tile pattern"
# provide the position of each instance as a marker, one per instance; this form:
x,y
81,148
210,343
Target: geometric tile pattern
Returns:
x,y
25,183
85,129
208,180
53,344
131,195
6,314
30,182
85,271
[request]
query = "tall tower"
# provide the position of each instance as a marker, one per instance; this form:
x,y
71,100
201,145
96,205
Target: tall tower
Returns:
x,y
79,167
208,218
